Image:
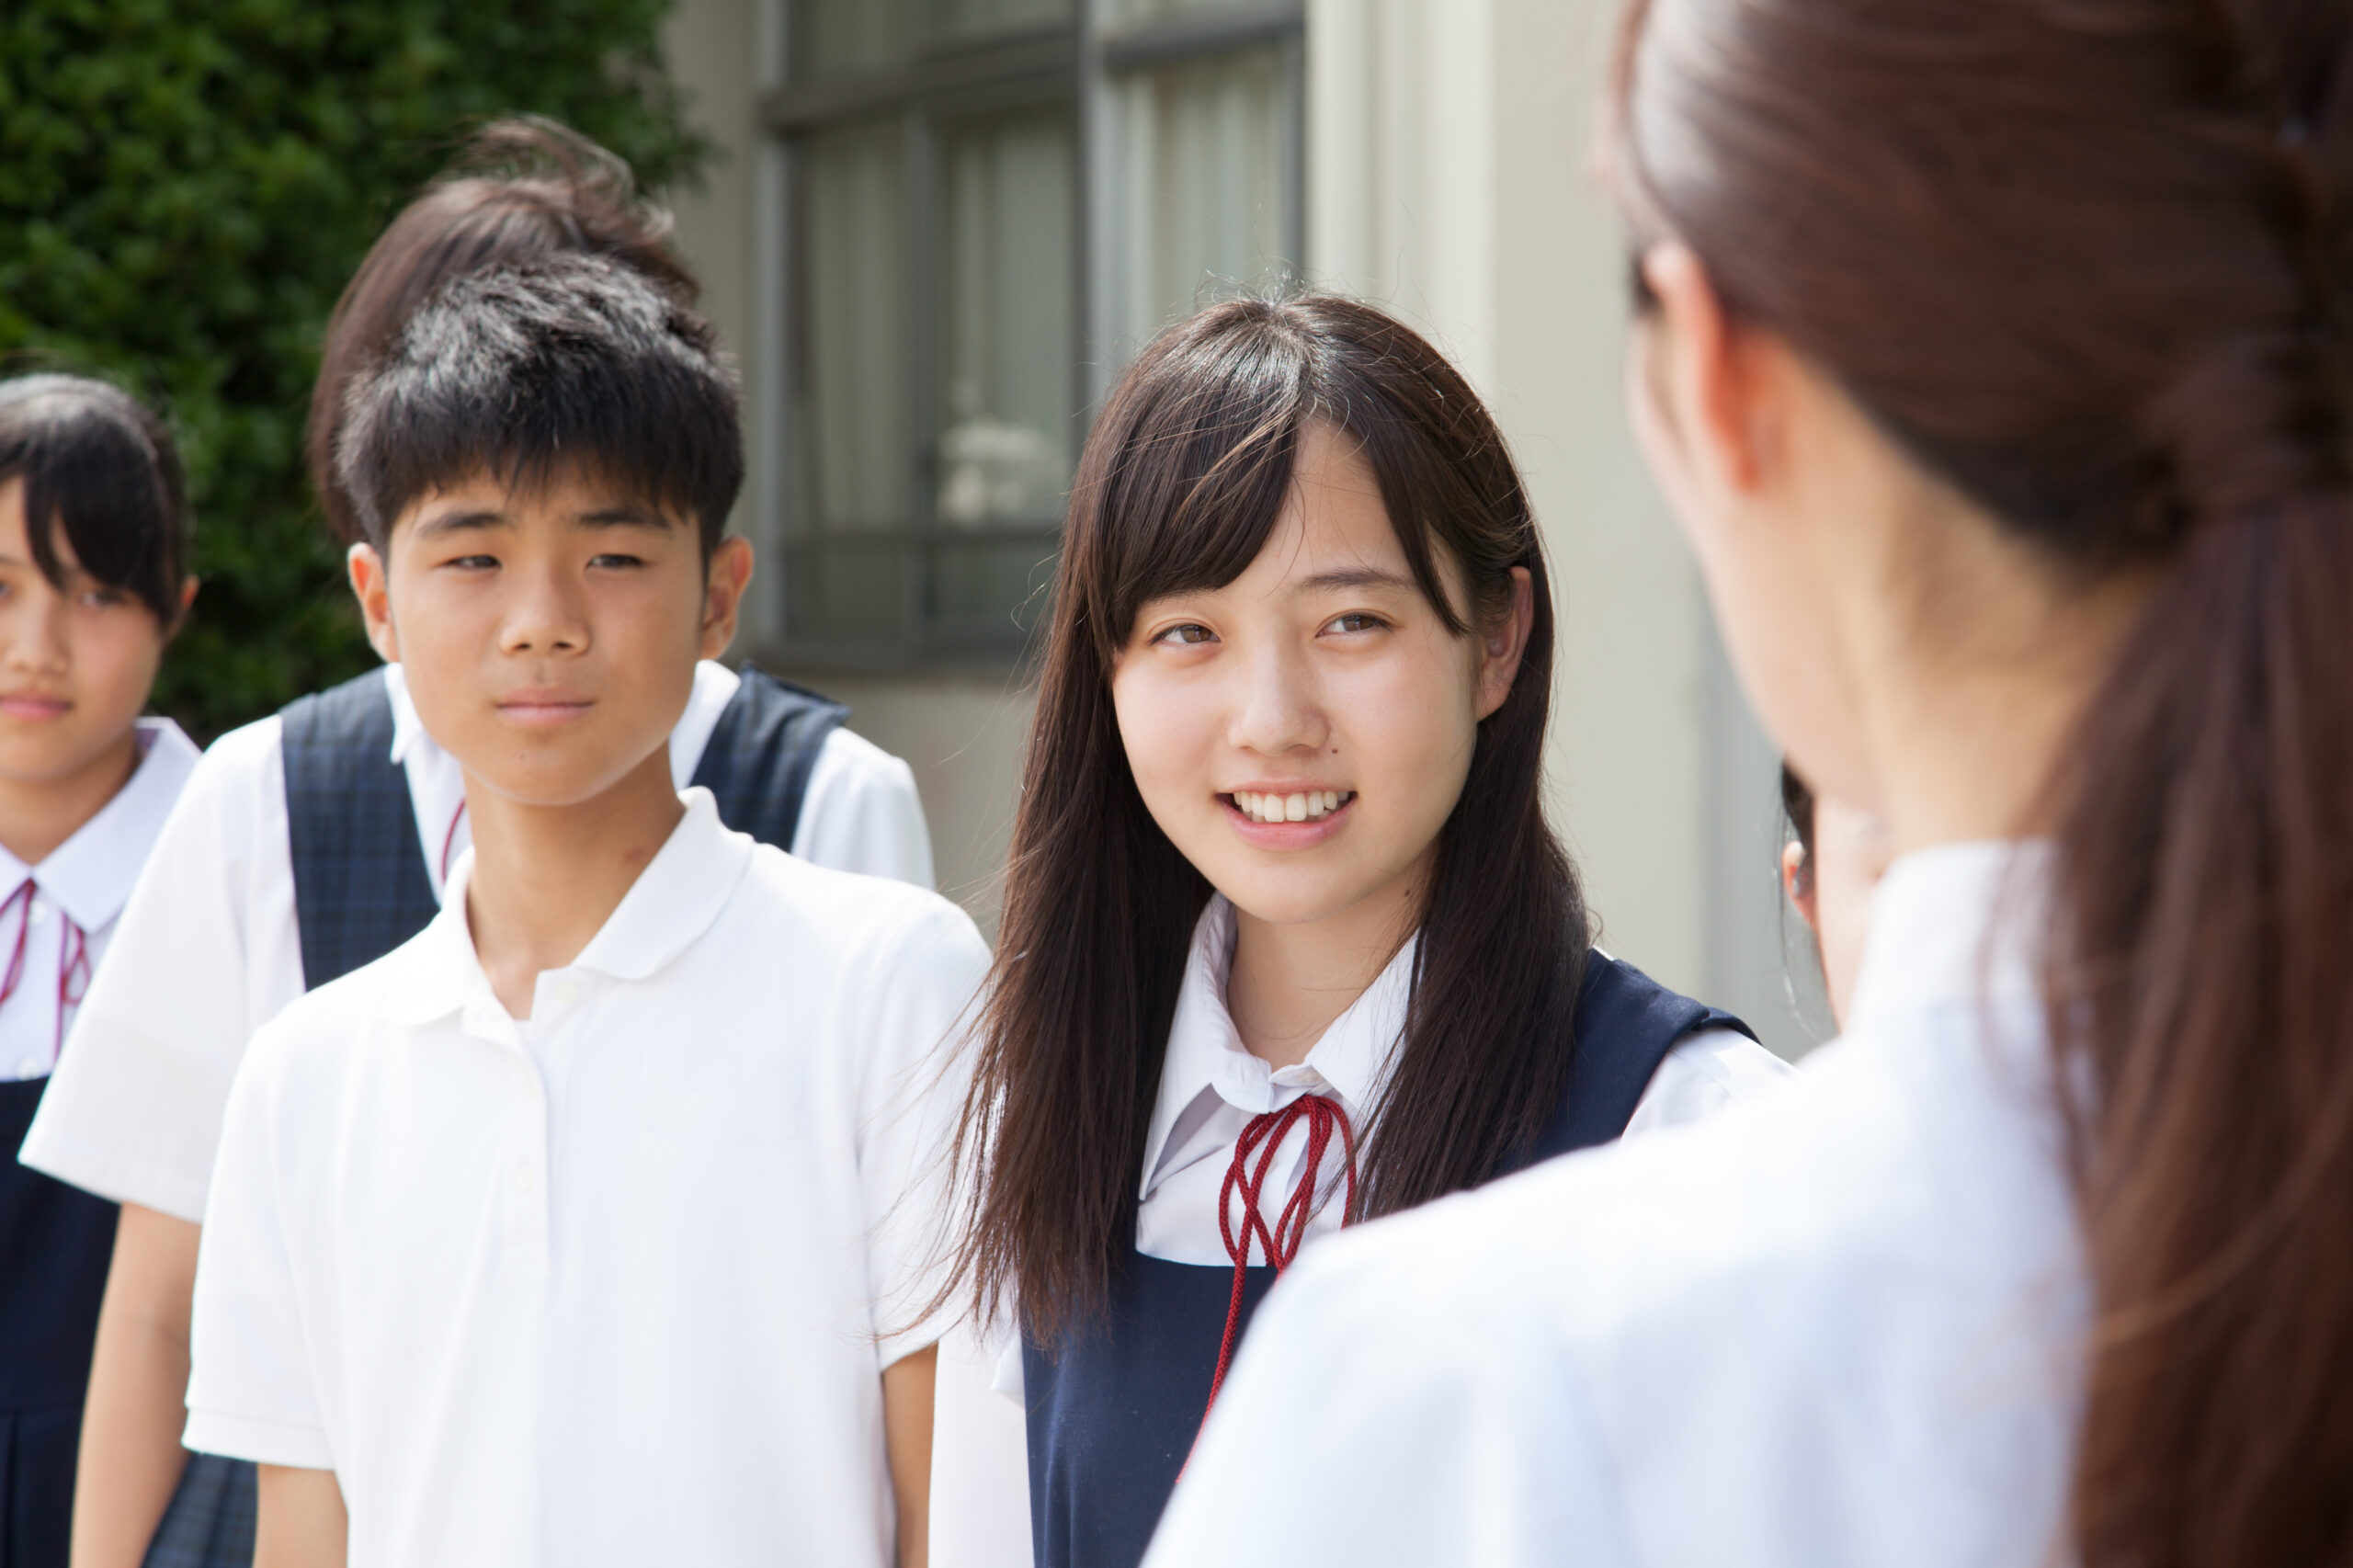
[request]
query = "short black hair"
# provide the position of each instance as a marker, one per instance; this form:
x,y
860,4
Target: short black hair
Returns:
x,y
98,463
551,366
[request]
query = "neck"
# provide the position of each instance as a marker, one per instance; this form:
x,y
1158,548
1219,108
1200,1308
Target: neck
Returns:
x,y
1969,701
38,814
547,877
1290,981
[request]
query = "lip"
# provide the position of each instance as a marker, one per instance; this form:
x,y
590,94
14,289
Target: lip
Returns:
x,y
543,707
32,705
1286,835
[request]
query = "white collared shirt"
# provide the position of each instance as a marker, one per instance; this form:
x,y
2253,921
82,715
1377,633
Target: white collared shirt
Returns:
x,y
1210,1085
212,949
78,892
615,1285
1833,1328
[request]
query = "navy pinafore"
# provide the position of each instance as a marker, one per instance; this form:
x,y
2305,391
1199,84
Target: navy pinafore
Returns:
x,y
361,890
1113,1411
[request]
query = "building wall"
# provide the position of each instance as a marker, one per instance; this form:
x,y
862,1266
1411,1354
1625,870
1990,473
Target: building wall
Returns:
x,y
1448,177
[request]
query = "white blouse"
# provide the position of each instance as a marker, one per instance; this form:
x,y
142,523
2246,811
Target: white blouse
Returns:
x,y
1834,1328
1210,1086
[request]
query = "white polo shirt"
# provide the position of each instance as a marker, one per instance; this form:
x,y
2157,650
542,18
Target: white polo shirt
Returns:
x,y
210,948
1838,1327
612,1284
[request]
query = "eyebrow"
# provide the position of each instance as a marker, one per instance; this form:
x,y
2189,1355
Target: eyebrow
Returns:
x,y
1354,577
625,516
457,521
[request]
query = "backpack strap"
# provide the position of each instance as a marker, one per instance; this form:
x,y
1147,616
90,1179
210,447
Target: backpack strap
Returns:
x,y
360,888
1626,1022
760,755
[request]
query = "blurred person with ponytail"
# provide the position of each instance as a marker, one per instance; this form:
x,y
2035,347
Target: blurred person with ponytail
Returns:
x,y
318,839
1288,941
1997,357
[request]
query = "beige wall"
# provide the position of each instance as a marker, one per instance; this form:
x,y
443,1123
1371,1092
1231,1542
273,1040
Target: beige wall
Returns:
x,y
1448,178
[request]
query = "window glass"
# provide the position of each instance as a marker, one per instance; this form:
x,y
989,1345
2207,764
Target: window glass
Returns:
x,y
843,36
1204,188
854,463
1007,359
991,16
1154,10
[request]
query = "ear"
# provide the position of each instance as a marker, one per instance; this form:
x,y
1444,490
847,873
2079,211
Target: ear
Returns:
x,y
370,586
189,586
729,575
1502,645
1707,395
1797,882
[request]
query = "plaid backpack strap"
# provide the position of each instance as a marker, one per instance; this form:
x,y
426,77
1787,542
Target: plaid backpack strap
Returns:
x,y
759,756
359,883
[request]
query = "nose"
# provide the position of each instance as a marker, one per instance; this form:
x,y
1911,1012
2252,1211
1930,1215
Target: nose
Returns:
x,y
35,630
1278,708
546,614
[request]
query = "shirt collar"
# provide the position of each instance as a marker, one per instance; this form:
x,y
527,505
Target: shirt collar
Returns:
x,y
674,900
1955,924
1353,1058
90,875
407,728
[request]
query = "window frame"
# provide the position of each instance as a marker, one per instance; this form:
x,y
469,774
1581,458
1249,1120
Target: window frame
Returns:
x,y
1082,62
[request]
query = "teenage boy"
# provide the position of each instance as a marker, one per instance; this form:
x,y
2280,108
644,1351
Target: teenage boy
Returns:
x,y
581,1228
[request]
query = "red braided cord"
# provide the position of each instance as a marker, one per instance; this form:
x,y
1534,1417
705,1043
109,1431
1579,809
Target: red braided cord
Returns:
x,y
1262,1136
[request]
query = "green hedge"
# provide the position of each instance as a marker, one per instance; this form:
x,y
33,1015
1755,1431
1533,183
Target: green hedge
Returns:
x,y
185,188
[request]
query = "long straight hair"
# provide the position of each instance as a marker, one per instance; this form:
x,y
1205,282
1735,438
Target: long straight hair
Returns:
x,y
1182,482
2090,261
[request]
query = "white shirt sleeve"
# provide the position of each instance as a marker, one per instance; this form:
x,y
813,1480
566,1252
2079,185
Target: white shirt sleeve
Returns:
x,y
919,1000
208,951
979,1459
1370,1420
251,1392
862,813
1703,1073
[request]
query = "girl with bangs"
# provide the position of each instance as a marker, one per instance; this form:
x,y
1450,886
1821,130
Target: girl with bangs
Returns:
x,y
1287,942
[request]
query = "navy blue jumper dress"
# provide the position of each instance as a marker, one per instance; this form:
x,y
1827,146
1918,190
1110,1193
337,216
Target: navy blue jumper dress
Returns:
x,y
1114,1409
360,890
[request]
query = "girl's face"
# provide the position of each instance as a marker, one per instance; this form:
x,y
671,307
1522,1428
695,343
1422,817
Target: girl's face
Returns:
x,y
76,663
1302,733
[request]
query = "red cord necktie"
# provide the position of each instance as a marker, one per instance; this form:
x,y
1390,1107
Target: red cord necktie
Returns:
x,y
1262,1136
72,958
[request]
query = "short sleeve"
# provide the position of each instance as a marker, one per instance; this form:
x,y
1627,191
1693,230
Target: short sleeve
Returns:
x,y
1705,1073
862,813
917,998
206,952
1376,1418
252,1390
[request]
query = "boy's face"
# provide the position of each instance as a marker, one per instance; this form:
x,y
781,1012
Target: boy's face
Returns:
x,y
548,635
76,663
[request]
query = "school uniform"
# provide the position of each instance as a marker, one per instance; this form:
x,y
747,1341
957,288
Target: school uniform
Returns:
x,y
319,839
1842,1327
615,1284
1112,1412
56,920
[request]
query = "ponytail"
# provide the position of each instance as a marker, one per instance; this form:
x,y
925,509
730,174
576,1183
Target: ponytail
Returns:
x,y
2105,288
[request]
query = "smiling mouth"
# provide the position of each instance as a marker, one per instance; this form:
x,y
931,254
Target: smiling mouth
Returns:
x,y
1305,806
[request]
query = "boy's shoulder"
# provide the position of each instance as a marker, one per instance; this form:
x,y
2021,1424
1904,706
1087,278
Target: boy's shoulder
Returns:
x,y
844,912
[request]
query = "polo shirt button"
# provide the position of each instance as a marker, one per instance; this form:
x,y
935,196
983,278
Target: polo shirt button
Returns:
x,y
527,1181
567,994
30,1067
40,911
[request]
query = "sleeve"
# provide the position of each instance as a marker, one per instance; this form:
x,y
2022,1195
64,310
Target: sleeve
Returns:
x,y
133,1112
1376,1418
252,1392
919,999
1705,1073
862,813
980,1460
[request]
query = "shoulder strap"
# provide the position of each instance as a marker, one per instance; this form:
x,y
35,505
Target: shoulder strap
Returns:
x,y
360,888
1626,1022
759,756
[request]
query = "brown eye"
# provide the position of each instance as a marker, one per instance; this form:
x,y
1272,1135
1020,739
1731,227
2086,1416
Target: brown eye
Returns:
x,y
1355,621
1190,634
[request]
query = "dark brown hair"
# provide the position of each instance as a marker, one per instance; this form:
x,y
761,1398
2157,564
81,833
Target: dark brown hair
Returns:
x,y
519,189
2087,260
1181,482
98,465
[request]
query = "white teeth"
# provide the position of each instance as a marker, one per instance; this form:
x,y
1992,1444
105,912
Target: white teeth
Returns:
x,y
1306,806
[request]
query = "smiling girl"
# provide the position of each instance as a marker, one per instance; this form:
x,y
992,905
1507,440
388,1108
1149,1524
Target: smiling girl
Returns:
x,y
1287,940
91,543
